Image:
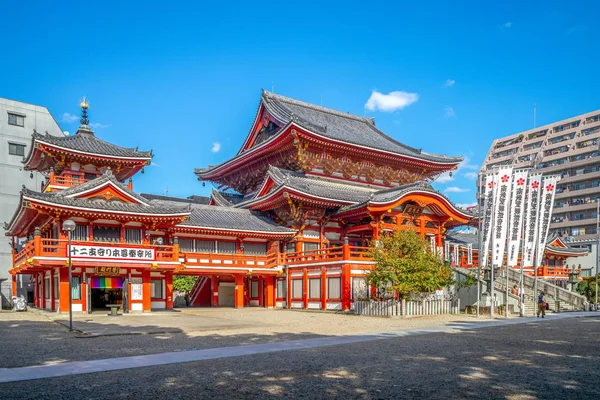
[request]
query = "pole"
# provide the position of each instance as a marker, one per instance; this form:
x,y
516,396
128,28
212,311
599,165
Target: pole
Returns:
x,y
521,294
479,243
70,283
506,280
597,249
493,244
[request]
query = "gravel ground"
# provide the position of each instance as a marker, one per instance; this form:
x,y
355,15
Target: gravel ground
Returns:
x,y
543,359
40,341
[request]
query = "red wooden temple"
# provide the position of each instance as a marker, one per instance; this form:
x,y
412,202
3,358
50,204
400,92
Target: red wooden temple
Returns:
x,y
289,224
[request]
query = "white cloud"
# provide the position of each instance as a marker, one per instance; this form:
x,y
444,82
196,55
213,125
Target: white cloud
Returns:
x,y
216,147
98,125
466,205
390,102
506,25
66,117
445,177
449,112
449,83
456,189
470,175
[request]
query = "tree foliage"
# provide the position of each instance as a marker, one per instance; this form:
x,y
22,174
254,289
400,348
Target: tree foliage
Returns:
x,y
587,288
405,263
184,283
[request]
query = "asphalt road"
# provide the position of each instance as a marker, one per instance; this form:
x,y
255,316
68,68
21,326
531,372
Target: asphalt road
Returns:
x,y
543,359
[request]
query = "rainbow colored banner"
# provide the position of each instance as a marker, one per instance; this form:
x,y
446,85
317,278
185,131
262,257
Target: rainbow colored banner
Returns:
x,y
106,282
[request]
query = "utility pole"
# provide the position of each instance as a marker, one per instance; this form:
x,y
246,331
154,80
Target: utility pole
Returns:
x,y
597,249
479,240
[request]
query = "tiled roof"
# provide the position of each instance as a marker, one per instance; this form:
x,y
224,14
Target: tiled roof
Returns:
x,y
473,238
342,126
85,140
219,217
106,177
226,199
189,200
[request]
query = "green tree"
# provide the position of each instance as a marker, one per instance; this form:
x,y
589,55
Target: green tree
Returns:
x,y
184,283
405,263
587,288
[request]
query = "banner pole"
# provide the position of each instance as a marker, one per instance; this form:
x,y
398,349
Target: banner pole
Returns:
x,y
479,241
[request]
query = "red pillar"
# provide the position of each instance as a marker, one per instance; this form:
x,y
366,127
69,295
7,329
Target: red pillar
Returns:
x,y
305,288
323,288
238,295
169,283
146,295
346,294
288,291
43,290
215,291
270,291
83,293
52,299
14,285
64,289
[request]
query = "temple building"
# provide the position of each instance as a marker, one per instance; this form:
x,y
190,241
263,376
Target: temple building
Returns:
x,y
289,223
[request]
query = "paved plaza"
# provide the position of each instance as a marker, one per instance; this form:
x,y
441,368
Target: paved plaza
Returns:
x,y
334,356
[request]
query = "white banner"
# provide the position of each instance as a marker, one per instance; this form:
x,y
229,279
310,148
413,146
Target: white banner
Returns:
x,y
470,254
136,289
446,250
488,208
532,208
112,253
440,253
515,225
503,192
546,205
432,242
456,255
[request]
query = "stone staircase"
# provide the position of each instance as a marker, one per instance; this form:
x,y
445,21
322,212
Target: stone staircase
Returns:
x,y
555,295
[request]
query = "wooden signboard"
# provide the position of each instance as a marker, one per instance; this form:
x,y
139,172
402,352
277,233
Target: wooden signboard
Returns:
x,y
412,210
107,271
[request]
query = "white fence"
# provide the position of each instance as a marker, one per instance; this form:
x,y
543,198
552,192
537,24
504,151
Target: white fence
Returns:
x,y
406,308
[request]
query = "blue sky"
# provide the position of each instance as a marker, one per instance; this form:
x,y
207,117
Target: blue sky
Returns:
x,y
180,77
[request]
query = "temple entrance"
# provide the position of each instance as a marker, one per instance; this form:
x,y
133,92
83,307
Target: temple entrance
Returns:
x,y
105,291
226,294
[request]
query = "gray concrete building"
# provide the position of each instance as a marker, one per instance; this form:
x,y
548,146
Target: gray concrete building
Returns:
x,y
571,149
18,121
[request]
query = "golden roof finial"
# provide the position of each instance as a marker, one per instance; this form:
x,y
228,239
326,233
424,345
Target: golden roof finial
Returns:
x,y
84,106
84,103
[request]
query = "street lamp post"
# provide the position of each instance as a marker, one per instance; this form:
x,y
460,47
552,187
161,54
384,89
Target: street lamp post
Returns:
x,y
69,226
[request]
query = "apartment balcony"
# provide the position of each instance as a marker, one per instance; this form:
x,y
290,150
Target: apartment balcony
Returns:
x,y
575,207
580,177
577,193
493,160
569,164
571,223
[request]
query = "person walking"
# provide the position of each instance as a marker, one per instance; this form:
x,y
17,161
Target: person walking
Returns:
x,y
541,305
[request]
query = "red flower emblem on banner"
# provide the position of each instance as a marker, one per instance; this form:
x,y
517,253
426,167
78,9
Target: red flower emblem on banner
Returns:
x,y
550,187
535,185
505,178
520,181
491,185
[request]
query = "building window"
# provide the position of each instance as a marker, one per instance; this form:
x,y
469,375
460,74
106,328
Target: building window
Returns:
x,y
80,233
156,288
255,248
107,234
310,246
334,288
226,247
133,236
16,119
290,247
314,288
76,288
254,289
15,149
56,288
281,289
47,288
297,289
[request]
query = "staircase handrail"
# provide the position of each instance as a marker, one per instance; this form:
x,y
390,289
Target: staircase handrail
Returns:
x,y
549,288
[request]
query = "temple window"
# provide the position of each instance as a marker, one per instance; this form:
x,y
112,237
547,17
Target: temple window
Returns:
x,y
80,233
290,247
226,247
297,288
255,248
281,289
334,288
310,246
314,288
16,119
156,288
56,288
133,235
76,288
16,149
107,234
47,288
254,289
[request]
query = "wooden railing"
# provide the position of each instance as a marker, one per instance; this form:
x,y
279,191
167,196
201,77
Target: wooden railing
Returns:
x,y
343,253
232,260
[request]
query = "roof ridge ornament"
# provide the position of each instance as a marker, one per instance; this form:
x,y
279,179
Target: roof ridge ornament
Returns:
x,y
84,106
108,171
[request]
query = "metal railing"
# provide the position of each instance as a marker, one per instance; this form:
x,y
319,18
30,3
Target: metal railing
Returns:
x,y
406,308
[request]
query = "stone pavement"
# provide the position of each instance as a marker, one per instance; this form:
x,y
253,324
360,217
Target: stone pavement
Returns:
x,y
121,363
